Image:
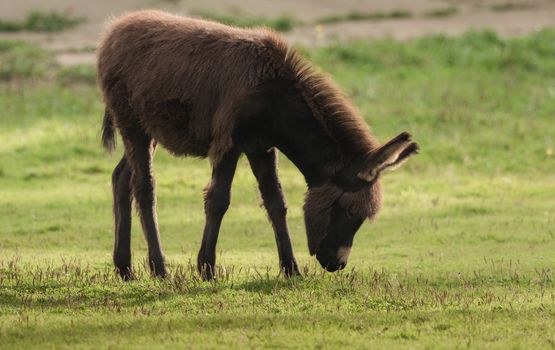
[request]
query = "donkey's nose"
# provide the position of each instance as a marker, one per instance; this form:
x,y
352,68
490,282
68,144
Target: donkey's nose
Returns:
x,y
330,262
332,267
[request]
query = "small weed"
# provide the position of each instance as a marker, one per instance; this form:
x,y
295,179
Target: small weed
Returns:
x,y
41,22
442,327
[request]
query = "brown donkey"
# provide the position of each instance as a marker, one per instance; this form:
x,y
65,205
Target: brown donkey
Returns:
x,y
204,89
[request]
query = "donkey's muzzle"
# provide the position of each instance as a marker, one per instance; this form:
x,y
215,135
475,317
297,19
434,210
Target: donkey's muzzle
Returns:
x,y
329,261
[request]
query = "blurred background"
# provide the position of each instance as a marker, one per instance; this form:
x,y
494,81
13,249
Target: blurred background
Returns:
x,y
73,31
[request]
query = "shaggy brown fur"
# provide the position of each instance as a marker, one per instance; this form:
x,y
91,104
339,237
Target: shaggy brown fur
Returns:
x,y
204,89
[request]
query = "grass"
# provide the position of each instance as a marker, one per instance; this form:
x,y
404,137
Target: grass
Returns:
x,y
281,24
362,16
77,74
286,23
510,6
257,309
442,12
460,256
19,60
41,22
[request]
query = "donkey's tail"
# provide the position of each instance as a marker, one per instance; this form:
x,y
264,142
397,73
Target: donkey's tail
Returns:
x,y
108,132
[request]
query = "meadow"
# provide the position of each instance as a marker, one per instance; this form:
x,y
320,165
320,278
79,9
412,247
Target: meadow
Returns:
x,y
461,255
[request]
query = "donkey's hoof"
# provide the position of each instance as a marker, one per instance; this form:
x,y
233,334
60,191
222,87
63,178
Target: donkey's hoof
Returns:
x,y
291,270
207,276
125,272
206,271
158,269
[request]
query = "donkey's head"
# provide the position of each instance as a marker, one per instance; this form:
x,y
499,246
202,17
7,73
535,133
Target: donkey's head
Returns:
x,y
335,210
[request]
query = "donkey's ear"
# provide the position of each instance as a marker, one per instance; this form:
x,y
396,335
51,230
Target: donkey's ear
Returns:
x,y
389,156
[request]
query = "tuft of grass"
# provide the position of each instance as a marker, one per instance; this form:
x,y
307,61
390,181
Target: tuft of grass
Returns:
x,y
281,24
443,12
360,16
510,6
41,22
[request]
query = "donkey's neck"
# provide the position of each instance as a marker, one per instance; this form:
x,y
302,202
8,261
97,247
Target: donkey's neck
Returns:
x,y
315,156
322,151
304,140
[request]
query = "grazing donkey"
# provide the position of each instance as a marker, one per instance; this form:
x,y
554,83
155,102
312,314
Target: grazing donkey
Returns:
x,y
204,89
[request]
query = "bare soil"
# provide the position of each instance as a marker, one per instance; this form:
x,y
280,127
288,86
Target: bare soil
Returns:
x,y
507,17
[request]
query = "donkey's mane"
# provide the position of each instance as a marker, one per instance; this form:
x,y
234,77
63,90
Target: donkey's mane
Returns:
x,y
330,107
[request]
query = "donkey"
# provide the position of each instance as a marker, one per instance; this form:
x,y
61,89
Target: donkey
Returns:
x,y
203,89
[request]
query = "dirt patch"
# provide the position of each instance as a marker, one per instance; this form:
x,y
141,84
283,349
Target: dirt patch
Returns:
x,y
507,17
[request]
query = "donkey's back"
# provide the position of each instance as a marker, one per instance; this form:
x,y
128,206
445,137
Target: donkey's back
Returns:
x,y
181,79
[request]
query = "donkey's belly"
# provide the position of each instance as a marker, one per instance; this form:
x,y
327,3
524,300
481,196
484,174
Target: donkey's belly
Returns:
x,y
181,143
173,126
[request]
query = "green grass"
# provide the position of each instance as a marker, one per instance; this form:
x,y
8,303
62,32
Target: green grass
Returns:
x,y
19,60
41,22
281,24
460,256
77,74
362,16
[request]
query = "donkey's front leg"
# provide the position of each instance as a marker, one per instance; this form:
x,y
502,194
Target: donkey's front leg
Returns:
x,y
264,167
217,196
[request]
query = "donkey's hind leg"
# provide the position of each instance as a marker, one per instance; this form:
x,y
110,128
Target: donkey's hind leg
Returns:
x,y
121,178
139,151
